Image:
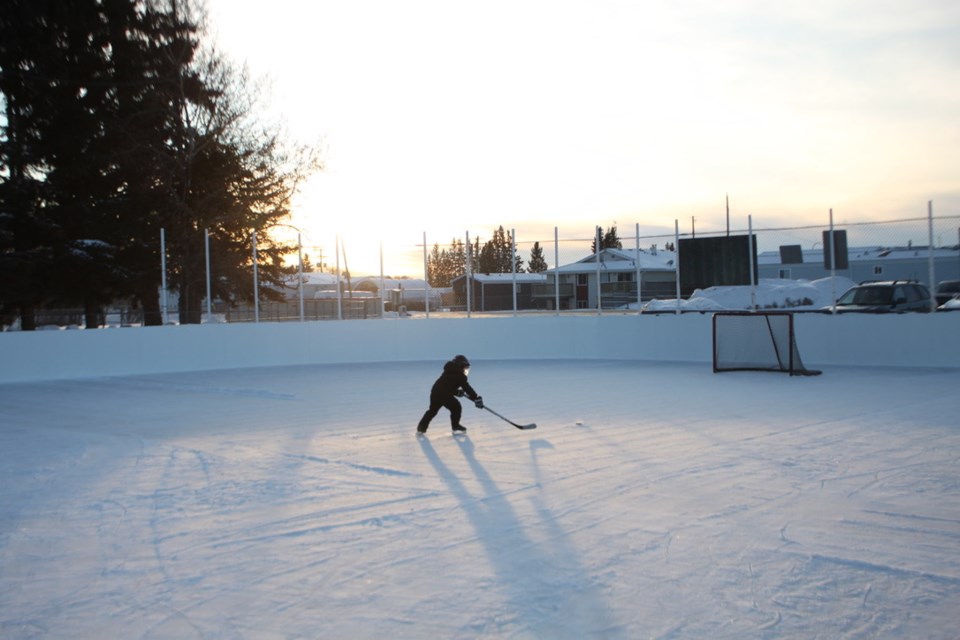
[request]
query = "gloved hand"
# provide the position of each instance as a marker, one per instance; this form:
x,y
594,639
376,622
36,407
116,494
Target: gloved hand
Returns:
x,y
460,393
478,402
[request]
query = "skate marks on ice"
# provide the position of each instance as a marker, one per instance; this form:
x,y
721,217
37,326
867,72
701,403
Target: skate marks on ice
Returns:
x,y
353,465
769,508
148,383
687,505
152,539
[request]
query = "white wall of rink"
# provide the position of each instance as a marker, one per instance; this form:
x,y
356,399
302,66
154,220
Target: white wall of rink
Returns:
x,y
910,340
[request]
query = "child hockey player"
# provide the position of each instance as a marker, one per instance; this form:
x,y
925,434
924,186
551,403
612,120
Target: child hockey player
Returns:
x,y
451,383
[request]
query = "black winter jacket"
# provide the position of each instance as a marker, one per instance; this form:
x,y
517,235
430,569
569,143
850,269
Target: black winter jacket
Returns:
x,y
450,380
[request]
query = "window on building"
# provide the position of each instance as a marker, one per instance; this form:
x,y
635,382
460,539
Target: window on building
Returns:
x,y
785,274
878,269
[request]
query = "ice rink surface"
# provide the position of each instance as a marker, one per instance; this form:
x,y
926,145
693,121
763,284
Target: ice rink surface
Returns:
x,y
654,500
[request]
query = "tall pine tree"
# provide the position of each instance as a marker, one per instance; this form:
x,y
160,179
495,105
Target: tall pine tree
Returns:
x,y
445,265
118,123
538,263
608,240
497,255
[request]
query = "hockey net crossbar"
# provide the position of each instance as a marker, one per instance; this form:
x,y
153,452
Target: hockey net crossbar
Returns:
x,y
756,341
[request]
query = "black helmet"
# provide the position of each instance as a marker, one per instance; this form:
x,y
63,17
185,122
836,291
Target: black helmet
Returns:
x,y
462,361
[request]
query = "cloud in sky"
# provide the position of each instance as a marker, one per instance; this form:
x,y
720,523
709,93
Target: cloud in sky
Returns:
x,y
442,116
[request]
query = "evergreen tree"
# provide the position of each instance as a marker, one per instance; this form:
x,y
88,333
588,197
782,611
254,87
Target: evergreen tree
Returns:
x,y
439,267
51,77
457,258
608,240
487,258
473,256
118,123
538,263
445,265
517,263
434,268
497,256
611,240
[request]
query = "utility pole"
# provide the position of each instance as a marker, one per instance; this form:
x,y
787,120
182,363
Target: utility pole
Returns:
x,y
728,215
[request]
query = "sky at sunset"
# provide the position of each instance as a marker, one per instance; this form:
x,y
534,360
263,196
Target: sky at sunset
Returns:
x,y
440,116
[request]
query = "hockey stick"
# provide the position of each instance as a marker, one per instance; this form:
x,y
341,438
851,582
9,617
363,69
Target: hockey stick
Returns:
x,y
532,425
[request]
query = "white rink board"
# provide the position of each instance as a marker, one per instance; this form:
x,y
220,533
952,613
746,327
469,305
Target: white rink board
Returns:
x,y
911,340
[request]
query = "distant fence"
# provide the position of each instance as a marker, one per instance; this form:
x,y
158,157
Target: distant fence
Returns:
x,y
923,236
317,309
920,234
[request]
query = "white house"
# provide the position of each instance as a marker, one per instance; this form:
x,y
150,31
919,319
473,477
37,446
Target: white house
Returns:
x,y
616,277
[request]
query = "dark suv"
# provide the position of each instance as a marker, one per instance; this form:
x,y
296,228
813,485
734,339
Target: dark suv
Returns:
x,y
894,296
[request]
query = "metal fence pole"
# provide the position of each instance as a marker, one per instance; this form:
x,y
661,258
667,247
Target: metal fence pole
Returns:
x,y
513,266
596,257
339,290
556,267
753,283
163,275
256,284
206,251
833,267
639,273
426,277
469,274
676,248
300,273
933,281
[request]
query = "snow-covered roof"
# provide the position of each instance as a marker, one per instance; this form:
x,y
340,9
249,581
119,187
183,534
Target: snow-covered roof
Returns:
x,y
872,254
506,278
392,283
328,279
624,260
318,278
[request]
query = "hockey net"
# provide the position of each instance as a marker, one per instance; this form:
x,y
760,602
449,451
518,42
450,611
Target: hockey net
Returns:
x,y
756,341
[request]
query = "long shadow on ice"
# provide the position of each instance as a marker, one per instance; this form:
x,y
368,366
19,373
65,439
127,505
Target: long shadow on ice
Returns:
x,y
549,592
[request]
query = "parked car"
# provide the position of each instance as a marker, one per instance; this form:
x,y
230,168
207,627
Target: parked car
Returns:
x,y
953,304
947,289
893,296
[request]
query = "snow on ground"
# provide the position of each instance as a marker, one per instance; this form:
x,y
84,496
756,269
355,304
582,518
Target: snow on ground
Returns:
x,y
653,500
768,293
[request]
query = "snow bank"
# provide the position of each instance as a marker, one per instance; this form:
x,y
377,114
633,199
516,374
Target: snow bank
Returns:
x,y
769,294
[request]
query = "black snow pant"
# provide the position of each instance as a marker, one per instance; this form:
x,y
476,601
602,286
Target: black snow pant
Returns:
x,y
437,401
